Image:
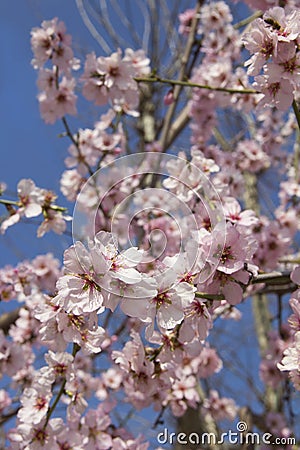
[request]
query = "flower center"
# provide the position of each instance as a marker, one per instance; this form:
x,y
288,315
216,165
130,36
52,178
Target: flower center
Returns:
x,y
162,299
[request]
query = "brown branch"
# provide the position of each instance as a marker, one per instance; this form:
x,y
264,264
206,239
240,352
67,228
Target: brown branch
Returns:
x,y
260,304
178,125
5,417
182,73
8,319
184,83
273,278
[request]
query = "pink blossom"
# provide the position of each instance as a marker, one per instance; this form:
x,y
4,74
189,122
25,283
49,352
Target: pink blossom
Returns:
x,y
51,42
294,319
84,154
117,72
159,287
279,93
295,275
111,78
79,291
35,403
209,362
244,219
5,400
76,401
185,389
44,40
30,198
56,103
285,65
94,88
55,221
47,79
197,322
169,304
94,426
169,98
277,424
112,378
284,26
291,356
260,4
38,436
133,298
139,61
12,356
215,15
69,439
261,42
233,255
220,408
185,20
25,327
132,357
47,270
70,184
269,373
60,364
232,292
251,157
129,444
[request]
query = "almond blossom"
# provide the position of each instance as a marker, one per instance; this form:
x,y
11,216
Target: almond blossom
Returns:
x,y
169,303
56,103
274,36
78,290
50,41
131,320
261,42
221,408
32,202
37,437
111,78
279,93
35,403
291,355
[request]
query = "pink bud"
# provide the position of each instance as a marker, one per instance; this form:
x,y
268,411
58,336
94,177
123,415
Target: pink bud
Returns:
x,y
169,98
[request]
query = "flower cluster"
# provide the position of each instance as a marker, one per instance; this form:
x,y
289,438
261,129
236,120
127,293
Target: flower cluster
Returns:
x,y
273,43
91,149
32,202
111,79
291,358
52,46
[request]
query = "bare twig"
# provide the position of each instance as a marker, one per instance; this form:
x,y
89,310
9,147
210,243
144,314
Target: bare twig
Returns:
x,y
182,75
92,29
8,319
182,83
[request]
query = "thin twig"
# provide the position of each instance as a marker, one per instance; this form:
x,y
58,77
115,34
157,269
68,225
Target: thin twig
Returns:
x,y
273,279
157,79
91,27
297,112
182,74
76,349
6,417
248,20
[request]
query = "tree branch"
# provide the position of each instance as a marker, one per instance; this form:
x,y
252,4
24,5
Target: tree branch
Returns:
x,y
182,74
182,83
8,319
